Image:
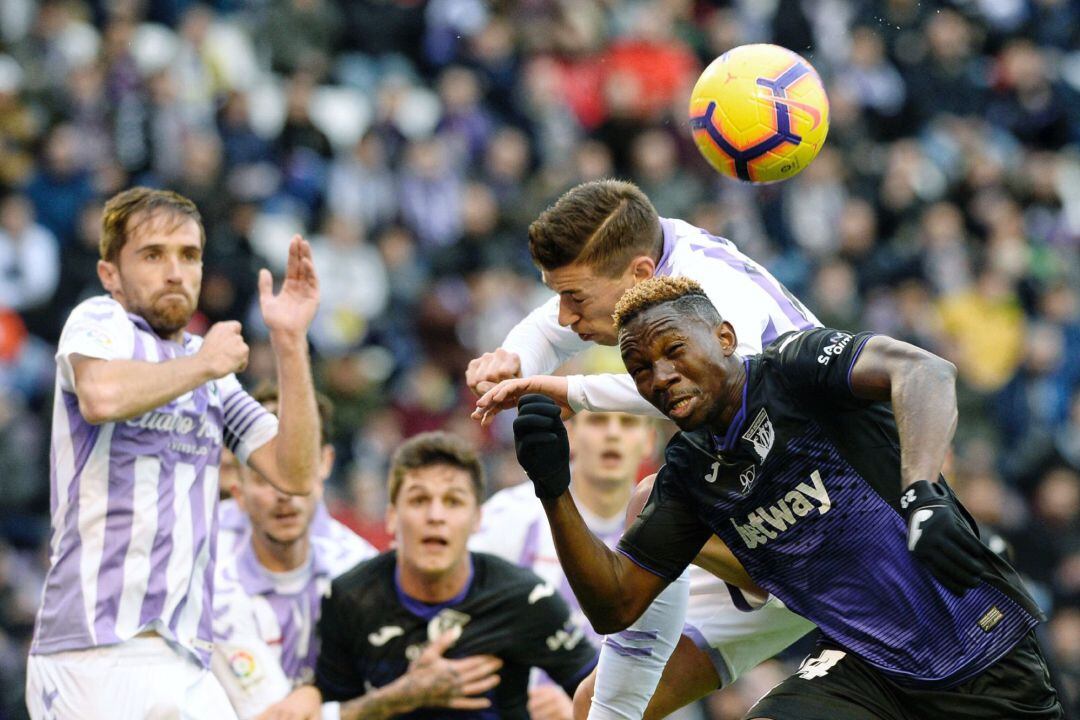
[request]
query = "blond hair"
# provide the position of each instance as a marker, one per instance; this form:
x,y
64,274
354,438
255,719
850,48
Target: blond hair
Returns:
x,y
659,290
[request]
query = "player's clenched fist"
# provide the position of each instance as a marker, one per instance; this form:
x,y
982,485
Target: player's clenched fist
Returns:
x,y
223,349
543,450
940,537
484,372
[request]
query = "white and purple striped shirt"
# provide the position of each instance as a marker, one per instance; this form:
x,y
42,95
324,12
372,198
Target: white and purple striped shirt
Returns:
x,y
757,305
133,503
264,622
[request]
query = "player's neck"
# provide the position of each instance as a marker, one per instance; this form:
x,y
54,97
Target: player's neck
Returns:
x,y
433,589
603,499
278,556
732,399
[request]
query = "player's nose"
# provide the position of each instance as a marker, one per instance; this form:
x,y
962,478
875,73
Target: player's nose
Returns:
x,y
567,317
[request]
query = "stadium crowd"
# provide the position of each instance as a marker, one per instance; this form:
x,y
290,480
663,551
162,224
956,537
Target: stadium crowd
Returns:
x,y
412,142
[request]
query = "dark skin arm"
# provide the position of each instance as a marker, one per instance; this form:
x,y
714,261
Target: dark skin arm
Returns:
x,y
922,389
612,590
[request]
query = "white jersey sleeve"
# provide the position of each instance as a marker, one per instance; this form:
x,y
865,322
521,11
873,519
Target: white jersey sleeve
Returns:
x,y
607,392
248,425
97,328
541,342
242,661
509,520
632,661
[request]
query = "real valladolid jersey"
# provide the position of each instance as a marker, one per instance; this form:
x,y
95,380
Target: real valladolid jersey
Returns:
x,y
133,502
371,630
804,488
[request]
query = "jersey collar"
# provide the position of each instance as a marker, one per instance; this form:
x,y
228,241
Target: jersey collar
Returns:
x,y
663,267
425,610
257,580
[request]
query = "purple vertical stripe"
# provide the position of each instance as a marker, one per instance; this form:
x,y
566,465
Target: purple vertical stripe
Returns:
x,y
198,537
528,548
206,622
769,334
764,281
83,435
118,528
156,589
664,266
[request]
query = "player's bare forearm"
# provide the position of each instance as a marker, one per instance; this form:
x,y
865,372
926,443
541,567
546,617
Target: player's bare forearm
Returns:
x,y
612,590
297,447
381,704
116,390
922,389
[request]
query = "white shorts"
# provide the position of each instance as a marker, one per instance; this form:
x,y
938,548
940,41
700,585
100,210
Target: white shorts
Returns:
x,y
141,679
734,640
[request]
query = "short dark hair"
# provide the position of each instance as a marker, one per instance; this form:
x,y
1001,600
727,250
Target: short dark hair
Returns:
x,y
603,224
139,204
267,392
686,294
434,448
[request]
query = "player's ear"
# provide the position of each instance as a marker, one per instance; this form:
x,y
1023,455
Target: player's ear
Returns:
x,y
326,461
109,275
725,333
391,519
642,268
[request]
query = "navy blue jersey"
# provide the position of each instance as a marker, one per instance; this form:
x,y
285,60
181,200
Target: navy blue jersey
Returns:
x,y
371,630
804,488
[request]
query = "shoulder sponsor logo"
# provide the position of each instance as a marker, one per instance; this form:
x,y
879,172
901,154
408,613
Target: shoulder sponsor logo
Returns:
x,y
541,591
837,342
384,635
761,434
767,522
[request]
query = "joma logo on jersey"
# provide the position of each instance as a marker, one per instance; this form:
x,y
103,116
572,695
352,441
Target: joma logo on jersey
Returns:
x,y
766,523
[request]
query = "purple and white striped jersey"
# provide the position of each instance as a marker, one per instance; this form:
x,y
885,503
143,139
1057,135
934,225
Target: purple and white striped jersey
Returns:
x,y
757,305
133,503
264,622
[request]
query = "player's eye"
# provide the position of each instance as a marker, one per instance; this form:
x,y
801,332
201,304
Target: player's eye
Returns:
x,y
675,350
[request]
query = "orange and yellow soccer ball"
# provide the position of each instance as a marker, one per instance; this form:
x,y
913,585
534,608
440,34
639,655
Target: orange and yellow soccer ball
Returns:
x,y
759,113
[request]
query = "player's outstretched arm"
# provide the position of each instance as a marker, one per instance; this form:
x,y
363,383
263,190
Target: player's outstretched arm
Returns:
x,y
535,346
290,459
612,590
115,390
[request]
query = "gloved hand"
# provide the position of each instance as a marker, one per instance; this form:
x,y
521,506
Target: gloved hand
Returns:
x,y
940,537
542,447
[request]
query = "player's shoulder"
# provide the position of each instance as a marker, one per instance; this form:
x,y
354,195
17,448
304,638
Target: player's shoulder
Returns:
x,y
340,549
373,576
817,345
688,450
493,572
516,589
101,310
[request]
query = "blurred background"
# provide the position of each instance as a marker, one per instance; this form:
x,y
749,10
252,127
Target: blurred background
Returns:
x,y
413,141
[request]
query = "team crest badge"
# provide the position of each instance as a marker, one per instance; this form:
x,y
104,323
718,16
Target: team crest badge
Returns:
x,y
761,435
447,621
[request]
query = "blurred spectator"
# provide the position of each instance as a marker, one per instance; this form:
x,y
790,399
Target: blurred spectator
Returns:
x,y
29,257
302,35
61,186
360,186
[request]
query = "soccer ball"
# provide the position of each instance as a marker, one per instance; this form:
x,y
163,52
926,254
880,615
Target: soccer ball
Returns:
x,y
759,113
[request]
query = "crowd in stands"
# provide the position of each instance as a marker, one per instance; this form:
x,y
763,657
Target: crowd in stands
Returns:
x,y
412,141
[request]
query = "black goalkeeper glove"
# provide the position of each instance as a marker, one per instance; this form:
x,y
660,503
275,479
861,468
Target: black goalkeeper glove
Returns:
x,y
940,537
541,445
